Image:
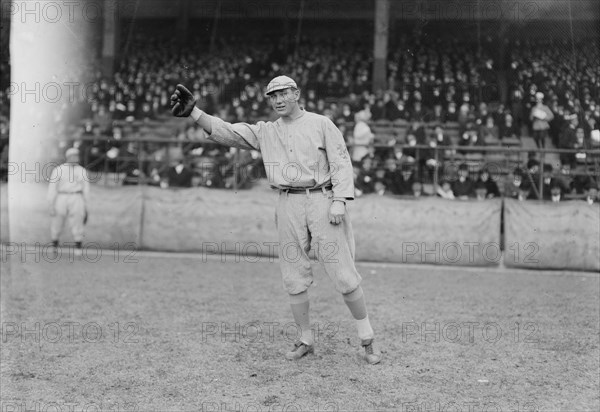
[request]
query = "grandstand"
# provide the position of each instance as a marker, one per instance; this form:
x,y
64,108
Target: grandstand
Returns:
x,y
456,81
459,77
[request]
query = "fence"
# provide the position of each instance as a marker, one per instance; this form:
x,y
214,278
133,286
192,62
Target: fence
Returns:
x,y
240,226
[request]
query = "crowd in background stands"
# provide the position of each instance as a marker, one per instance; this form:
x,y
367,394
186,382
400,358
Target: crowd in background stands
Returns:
x,y
566,76
433,81
4,100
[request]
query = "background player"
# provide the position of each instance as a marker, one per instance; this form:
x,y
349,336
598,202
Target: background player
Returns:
x,y
68,194
305,159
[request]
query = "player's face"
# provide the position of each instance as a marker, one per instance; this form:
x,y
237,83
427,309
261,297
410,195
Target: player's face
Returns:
x,y
284,101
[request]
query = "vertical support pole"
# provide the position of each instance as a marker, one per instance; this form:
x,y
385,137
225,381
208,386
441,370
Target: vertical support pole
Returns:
x,y
110,37
380,47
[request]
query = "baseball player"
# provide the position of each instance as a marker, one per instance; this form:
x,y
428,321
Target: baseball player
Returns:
x,y
307,161
68,194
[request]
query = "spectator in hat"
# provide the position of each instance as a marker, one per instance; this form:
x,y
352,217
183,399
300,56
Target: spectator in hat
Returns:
x,y
487,180
179,175
428,162
365,179
580,184
581,144
480,189
524,192
556,193
508,128
392,175
540,116
532,177
444,190
513,185
462,187
489,133
404,185
592,195
567,140
550,182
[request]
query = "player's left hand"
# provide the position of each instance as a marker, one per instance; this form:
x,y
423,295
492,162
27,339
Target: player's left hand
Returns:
x,y
182,101
337,212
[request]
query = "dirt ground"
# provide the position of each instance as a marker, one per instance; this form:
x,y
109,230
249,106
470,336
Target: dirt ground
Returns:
x,y
157,332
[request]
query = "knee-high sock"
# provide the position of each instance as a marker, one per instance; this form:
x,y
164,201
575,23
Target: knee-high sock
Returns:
x,y
300,310
355,301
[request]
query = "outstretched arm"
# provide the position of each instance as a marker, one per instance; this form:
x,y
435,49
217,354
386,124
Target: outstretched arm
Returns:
x,y
240,135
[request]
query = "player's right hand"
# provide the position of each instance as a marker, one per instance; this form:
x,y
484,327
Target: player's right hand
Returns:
x,y
182,102
337,210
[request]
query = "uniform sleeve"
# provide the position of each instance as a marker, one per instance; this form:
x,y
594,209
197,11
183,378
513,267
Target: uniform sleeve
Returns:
x,y
340,166
240,135
53,186
86,186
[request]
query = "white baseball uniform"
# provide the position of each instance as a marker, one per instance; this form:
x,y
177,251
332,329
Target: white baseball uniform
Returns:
x,y
305,153
68,191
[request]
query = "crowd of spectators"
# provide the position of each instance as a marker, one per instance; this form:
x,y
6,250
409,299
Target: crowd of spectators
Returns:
x,y
437,85
4,102
461,181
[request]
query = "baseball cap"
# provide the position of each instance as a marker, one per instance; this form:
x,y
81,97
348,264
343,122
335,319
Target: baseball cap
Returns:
x,y
280,83
72,152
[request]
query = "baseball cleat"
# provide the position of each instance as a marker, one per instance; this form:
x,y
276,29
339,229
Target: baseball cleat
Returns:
x,y
372,356
299,350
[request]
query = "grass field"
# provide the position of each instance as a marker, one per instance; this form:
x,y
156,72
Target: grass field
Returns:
x,y
158,332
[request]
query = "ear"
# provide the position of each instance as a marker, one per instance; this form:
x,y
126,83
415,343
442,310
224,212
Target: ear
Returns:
x,y
297,94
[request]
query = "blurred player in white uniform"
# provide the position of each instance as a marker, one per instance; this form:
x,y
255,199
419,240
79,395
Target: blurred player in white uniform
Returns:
x,y
307,161
68,195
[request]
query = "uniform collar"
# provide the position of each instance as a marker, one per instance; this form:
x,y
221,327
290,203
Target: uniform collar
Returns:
x,y
300,115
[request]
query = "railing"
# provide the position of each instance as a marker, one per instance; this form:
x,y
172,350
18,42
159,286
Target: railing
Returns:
x,y
499,160
512,155
103,165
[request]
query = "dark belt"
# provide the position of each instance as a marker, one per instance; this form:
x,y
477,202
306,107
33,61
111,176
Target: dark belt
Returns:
x,y
70,193
300,190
